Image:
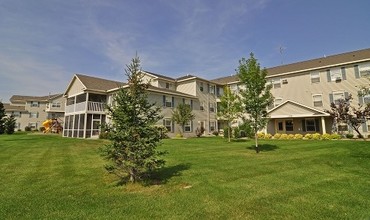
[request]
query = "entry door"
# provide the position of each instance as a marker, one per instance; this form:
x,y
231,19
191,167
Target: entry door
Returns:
x,y
95,127
280,126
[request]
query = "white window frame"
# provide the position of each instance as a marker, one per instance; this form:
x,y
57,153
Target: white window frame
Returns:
x,y
364,69
32,125
286,124
34,104
168,102
201,106
212,89
168,85
276,83
335,74
315,77
317,98
55,105
187,127
201,86
168,123
212,126
366,99
336,97
212,107
34,114
17,114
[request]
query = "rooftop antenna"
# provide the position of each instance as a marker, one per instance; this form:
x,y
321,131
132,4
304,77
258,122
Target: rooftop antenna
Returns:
x,y
281,49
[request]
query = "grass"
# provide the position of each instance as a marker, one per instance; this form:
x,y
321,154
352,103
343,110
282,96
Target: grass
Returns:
x,y
49,177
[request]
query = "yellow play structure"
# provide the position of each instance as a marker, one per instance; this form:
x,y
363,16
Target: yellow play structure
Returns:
x,y
52,125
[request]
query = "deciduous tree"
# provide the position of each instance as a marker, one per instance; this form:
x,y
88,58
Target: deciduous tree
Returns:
x,y
2,118
182,115
256,95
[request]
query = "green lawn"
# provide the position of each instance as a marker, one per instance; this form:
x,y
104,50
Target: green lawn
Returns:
x,y
49,177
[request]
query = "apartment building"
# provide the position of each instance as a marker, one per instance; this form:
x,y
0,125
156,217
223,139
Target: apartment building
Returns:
x,y
32,111
87,97
304,90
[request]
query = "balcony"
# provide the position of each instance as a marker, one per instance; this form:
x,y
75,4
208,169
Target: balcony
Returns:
x,y
92,107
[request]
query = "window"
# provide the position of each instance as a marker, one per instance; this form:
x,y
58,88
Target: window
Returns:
x,y
212,89
343,127
364,69
317,100
168,86
211,107
17,114
315,77
168,101
212,126
34,114
201,88
32,125
335,74
187,127
276,83
310,124
55,105
366,99
289,125
278,101
280,126
34,104
220,91
337,96
201,106
167,122
234,88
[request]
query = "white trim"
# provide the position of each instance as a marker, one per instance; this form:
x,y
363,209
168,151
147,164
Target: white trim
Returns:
x,y
321,113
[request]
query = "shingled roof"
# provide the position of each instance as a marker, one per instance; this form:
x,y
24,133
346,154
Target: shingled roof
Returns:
x,y
100,84
24,99
160,76
319,63
9,107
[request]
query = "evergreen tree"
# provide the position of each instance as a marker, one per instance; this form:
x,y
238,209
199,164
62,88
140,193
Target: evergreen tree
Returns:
x,y
257,96
2,118
182,114
229,109
134,137
10,124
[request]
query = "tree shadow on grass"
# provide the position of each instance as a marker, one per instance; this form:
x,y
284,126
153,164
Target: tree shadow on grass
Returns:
x,y
264,147
162,176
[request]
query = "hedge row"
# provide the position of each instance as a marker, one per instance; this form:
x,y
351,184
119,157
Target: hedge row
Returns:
x,y
315,136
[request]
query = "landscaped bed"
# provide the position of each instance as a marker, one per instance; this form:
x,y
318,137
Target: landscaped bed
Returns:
x,y
50,177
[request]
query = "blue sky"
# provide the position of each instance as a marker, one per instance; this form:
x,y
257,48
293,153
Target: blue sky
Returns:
x,y
44,42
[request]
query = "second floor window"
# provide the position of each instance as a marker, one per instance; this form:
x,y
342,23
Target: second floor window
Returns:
x,y
317,100
55,105
315,77
201,106
211,107
276,83
365,69
34,114
34,104
201,88
168,101
167,122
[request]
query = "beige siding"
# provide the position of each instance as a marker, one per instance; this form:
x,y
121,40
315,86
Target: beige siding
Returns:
x,y
76,88
188,87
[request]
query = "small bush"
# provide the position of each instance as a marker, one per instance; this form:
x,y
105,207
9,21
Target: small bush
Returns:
x,y
226,132
27,128
104,135
261,135
268,136
199,131
42,129
298,136
277,136
335,136
179,135
308,136
215,133
326,136
283,137
290,136
316,136
350,136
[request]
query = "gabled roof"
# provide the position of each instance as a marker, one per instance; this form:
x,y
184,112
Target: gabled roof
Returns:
x,y
171,92
292,109
98,84
8,107
24,99
309,65
156,75
191,77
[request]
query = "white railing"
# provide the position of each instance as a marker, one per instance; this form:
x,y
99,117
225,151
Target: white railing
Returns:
x,y
96,106
81,107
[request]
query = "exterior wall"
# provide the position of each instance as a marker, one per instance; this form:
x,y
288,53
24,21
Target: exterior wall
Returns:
x,y
76,88
187,87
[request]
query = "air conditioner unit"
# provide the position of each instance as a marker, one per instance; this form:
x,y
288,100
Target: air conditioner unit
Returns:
x,y
285,81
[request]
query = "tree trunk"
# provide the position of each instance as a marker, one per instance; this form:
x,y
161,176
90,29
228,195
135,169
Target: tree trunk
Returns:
x,y
256,140
229,133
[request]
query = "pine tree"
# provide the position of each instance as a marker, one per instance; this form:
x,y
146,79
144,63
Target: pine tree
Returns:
x,y
257,96
181,115
10,124
229,109
134,138
2,118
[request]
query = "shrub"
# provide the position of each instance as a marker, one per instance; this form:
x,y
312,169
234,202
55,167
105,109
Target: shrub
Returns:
x,y
283,137
268,136
199,131
350,136
27,128
104,135
277,136
260,135
335,136
316,136
308,136
298,136
326,136
290,136
247,129
215,133
42,129
179,135
226,132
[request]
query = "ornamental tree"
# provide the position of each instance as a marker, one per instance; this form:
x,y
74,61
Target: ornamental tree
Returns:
x,y
256,96
229,108
2,118
134,137
182,115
